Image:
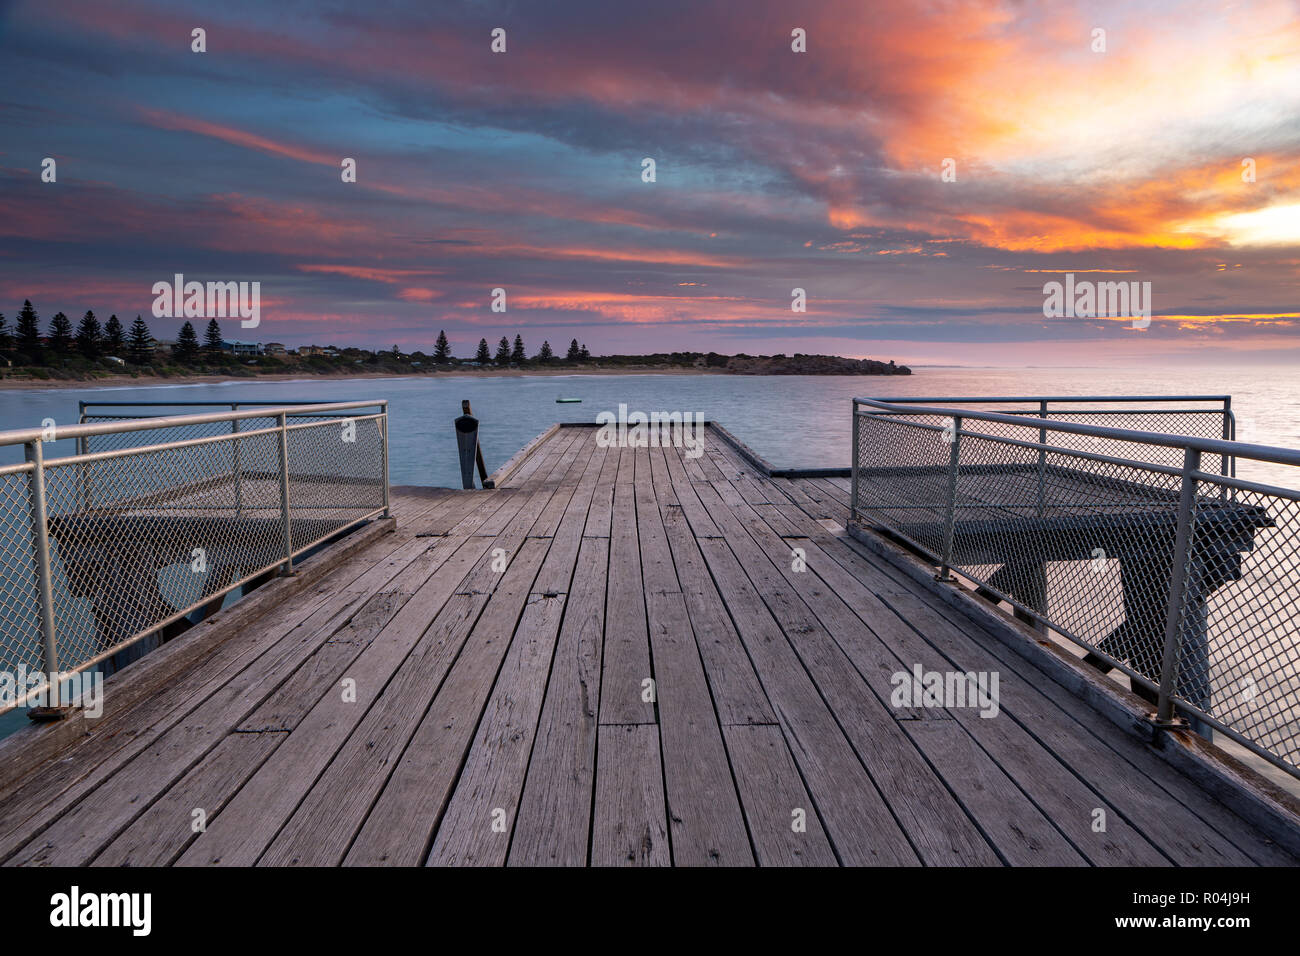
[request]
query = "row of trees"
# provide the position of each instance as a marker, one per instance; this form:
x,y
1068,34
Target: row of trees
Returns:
x,y
93,340
508,354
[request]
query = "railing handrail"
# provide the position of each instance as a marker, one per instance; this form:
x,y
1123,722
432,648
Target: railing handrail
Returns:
x,y
1057,398
26,435
87,404
1213,446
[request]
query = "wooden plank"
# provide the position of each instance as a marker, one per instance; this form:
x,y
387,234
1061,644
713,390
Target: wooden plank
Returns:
x,y
705,818
581,453
709,468
159,834
934,822
673,464
628,825
331,802
626,466
737,692
239,834
502,475
775,800
557,569
692,466
600,517
626,658
552,826
543,460
322,826
423,778
476,828
708,828
856,818
1022,834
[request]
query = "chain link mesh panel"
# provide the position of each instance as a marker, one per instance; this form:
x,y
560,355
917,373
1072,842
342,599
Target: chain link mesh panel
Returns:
x,y
151,524
1088,549
1239,653
20,604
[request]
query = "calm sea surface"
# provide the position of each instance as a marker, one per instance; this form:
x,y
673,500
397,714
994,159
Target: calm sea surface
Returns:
x,y
790,420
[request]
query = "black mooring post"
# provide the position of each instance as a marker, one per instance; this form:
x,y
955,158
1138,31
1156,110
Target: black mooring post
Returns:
x,y
467,444
470,452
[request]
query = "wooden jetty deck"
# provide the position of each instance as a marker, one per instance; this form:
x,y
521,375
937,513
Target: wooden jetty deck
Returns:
x,y
613,658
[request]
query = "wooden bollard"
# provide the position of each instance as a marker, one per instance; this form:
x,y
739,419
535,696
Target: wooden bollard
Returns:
x,y
468,446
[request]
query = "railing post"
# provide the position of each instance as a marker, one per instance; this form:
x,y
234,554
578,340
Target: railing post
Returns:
x,y
1177,588
1228,463
284,493
41,539
383,425
1042,460
853,493
945,569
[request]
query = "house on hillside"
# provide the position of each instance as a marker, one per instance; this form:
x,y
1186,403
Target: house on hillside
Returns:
x,y
241,349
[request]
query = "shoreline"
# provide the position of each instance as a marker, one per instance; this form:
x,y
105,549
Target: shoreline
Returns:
x,y
154,381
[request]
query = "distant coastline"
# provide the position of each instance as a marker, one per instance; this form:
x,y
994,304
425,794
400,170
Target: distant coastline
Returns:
x,y
155,381
153,376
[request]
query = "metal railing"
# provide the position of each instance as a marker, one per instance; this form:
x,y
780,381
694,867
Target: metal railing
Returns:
x,y
1140,545
156,517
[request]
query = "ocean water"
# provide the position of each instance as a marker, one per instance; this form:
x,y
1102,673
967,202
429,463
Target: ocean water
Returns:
x,y
790,420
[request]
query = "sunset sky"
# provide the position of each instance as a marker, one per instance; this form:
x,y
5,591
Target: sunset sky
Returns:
x,y
775,170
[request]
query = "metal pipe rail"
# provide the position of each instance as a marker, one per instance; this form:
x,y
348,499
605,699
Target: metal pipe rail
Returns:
x,y
99,550
1185,579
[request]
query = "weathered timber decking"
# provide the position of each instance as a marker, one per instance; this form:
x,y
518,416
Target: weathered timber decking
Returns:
x,y
507,716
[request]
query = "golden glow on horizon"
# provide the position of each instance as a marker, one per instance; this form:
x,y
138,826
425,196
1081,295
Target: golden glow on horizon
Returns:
x,y
1270,226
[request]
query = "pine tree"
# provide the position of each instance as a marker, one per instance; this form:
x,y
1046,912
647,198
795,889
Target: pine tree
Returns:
x,y
29,334
545,354
574,354
484,356
6,339
503,351
187,345
140,342
584,355
442,351
212,340
114,337
89,336
518,356
60,335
